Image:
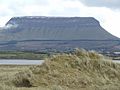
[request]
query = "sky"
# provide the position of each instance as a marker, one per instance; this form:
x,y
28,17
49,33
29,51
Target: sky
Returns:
x,y
106,11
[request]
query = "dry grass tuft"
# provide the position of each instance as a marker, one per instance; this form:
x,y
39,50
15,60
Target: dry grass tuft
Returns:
x,y
23,79
79,70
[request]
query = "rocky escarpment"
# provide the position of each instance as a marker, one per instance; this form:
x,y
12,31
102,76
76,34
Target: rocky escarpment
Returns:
x,y
38,33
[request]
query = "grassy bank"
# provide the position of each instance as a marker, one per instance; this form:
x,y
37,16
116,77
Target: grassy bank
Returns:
x,y
80,70
23,55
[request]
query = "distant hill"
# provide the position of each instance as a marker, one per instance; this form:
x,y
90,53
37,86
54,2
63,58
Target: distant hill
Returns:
x,y
42,33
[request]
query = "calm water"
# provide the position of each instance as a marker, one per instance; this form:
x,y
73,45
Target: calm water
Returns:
x,y
20,62
116,61
27,62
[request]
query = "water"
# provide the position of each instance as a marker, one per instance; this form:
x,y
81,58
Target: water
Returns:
x,y
27,62
20,62
116,61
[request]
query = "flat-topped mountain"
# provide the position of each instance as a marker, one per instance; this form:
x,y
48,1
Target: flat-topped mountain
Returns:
x,y
56,28
36,33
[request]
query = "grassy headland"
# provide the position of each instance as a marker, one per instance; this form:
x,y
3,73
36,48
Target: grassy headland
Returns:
x,y
80,70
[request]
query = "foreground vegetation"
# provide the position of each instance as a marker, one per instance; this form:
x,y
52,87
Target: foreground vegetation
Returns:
x,y
80,70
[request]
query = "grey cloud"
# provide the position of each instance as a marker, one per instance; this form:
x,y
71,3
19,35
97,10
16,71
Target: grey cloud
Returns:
x,y
114,4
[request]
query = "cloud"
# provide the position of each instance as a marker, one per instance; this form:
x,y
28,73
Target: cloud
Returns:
x,y
114,4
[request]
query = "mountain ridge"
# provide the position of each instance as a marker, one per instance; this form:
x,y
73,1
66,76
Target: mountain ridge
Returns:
x,y
41,32
76,27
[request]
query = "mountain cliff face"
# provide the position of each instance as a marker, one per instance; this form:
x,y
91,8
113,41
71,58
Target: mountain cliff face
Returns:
x,y
38,33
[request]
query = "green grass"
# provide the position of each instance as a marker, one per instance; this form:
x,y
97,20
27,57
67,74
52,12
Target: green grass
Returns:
x,y
80,70
23,55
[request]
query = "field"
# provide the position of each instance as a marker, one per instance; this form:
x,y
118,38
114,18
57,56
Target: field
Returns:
x,y
7,74
23,55
80,70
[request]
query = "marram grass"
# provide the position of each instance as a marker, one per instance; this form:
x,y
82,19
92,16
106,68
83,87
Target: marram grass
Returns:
x,y
80,70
